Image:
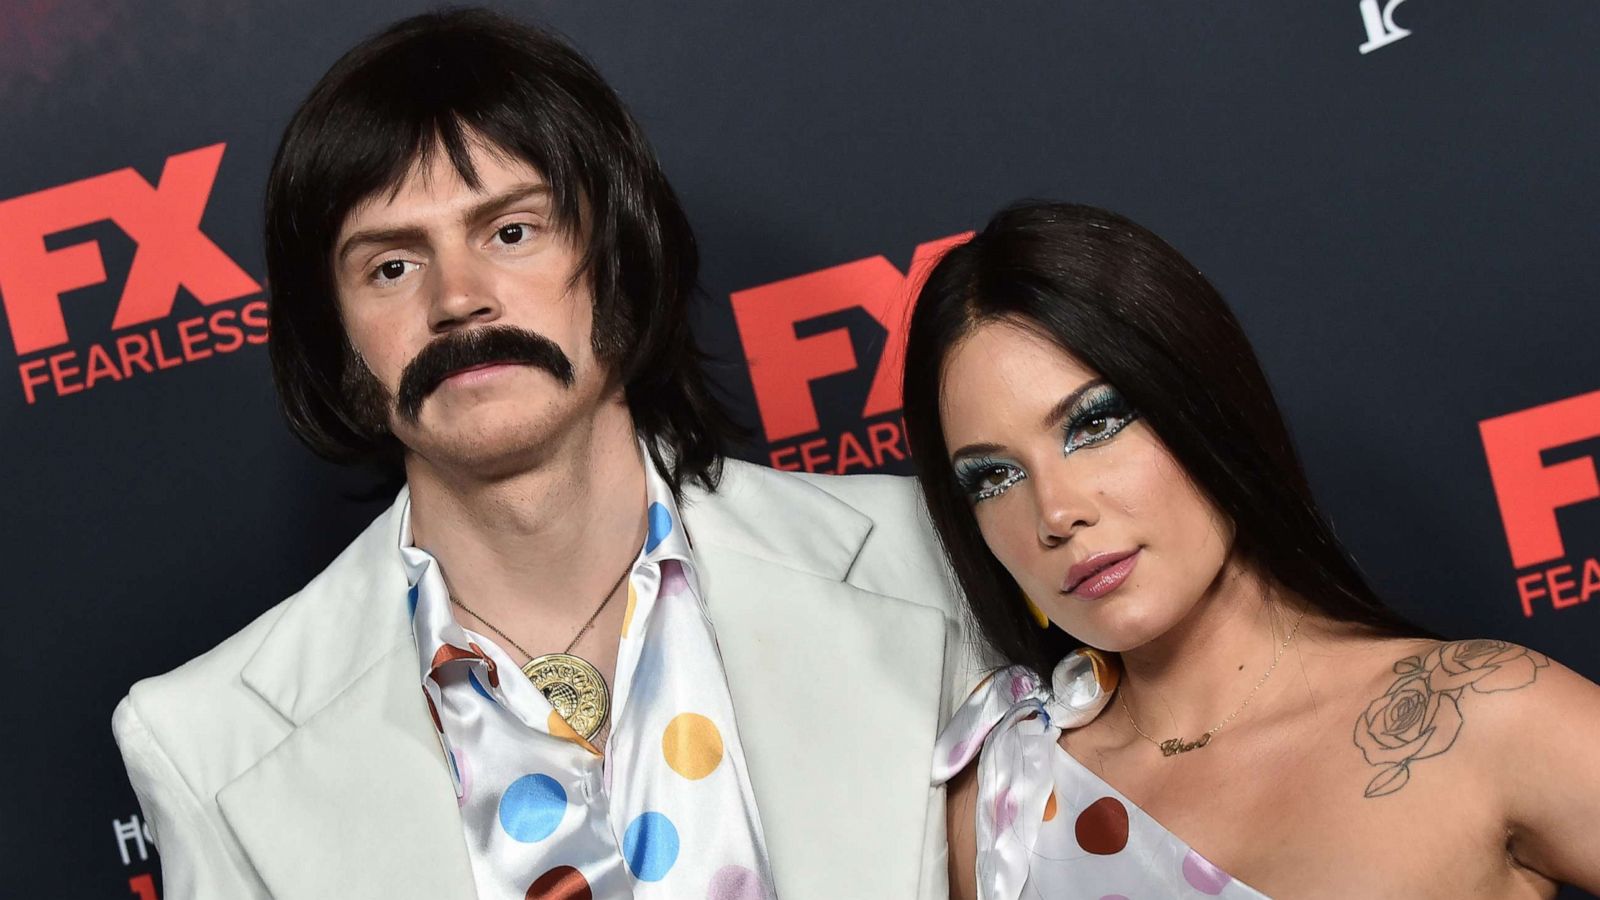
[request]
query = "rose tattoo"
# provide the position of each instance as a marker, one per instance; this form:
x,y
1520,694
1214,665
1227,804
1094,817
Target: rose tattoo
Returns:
x,y
1420,715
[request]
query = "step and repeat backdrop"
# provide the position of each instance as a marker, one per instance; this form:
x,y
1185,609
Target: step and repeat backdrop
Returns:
x,y
1400,200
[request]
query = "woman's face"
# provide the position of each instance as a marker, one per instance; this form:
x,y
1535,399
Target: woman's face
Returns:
x,y
1074,494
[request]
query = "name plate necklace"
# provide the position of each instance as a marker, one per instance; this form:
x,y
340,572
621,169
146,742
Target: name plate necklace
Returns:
x,y
1177,745
571,683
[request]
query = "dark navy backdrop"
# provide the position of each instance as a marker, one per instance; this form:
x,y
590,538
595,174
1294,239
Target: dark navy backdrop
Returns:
x,y
1408,234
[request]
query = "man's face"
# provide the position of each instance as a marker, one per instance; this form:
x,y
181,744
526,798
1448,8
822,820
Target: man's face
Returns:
x,y
463,306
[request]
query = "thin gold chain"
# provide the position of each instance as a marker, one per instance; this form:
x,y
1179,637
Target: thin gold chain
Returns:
x,y
576,638
1203,739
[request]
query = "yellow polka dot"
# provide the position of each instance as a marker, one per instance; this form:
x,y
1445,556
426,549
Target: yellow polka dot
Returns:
x,y
692,746
1050,807
559,728
627,617
1106,671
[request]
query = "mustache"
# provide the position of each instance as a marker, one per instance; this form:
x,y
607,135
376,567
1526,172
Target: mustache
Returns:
x,y
480,346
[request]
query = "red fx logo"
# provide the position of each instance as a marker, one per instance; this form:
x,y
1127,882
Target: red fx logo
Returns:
x,y
783,364
1529,491
163,220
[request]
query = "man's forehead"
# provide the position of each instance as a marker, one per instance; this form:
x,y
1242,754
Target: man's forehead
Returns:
x,y
433,180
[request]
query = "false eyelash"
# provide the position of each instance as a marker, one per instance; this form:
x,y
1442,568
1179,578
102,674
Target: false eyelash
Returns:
x,y
1101,403
970,474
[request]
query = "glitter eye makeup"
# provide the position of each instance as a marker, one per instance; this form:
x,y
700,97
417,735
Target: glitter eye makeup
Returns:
x,y
1097,417
986,477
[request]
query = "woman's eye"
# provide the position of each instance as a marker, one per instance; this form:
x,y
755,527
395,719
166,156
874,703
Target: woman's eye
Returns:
x,y
991,481
1099,424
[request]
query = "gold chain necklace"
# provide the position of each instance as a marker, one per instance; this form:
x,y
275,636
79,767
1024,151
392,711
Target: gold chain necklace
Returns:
x,y
572,684
1174,746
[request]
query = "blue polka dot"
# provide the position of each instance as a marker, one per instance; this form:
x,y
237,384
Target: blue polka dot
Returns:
x,y
660,526
532,807
472,679
411,599
651,846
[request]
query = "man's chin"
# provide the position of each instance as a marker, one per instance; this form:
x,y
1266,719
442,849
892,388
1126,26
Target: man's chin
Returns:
x,y
482,443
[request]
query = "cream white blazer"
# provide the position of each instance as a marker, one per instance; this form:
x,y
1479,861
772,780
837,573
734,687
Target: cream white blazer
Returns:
x,y
296,760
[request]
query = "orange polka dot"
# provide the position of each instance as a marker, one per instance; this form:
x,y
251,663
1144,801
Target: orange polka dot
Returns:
x,y
1050,809
1102,827
558,727
560,883
633,600
449,653
692,746
1107,673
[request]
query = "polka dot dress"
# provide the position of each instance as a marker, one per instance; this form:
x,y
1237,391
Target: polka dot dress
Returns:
x,y
1048,827
667,812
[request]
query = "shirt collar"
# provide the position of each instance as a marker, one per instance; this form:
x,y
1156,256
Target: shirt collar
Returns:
x,y
434,624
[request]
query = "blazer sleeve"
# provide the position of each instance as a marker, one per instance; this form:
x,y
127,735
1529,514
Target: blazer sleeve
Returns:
x,y
198,858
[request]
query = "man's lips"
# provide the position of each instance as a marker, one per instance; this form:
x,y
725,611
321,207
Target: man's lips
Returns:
x,y
481,370
1100,574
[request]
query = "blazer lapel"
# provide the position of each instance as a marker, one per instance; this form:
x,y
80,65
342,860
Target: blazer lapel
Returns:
x,y
357,801
836,689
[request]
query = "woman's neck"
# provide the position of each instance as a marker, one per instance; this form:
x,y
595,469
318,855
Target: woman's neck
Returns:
x,y
1207,666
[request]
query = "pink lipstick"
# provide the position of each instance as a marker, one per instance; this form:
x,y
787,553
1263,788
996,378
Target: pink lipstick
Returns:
x,y
1100,574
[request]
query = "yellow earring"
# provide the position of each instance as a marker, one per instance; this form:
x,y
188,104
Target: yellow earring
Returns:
x,y
1038,614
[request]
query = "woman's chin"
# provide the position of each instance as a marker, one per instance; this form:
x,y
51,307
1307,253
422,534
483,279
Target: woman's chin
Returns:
x,y
1118,630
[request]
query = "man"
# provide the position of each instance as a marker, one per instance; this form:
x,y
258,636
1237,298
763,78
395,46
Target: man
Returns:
x,y
581,655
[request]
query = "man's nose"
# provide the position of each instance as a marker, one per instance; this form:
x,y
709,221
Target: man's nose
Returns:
x,y
462,294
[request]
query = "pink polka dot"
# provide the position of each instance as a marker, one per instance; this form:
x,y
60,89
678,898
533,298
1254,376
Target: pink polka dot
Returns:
x,y
673,582
960,750
736,883
1203,876
1005,810
464,773
1021,685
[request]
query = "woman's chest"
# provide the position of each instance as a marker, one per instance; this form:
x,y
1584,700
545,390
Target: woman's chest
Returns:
x,y
1288,821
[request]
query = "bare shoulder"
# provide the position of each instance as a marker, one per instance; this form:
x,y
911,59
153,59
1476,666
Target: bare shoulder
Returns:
x,y
1471,699
961,810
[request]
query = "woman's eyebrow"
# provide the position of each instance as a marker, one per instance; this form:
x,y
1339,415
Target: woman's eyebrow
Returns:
x,y
976,450
1065,404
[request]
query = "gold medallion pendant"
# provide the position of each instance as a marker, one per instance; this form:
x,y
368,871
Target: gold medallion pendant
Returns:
x,y
574,688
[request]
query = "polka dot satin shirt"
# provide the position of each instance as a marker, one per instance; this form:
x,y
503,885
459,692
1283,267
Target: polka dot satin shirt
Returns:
x,y
666,812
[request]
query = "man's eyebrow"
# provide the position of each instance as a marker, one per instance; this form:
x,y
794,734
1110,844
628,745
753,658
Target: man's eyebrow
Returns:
x,y
402,235
488,207
479,211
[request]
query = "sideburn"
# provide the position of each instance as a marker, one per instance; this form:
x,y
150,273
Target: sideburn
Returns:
x,y
366,402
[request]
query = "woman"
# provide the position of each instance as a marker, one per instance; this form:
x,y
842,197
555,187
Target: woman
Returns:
x,y
1106,466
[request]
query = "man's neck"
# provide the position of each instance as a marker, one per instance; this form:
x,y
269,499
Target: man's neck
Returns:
x,y
535,552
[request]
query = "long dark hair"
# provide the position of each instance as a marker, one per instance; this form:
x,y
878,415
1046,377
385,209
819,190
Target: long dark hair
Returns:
x,y
1130,307
429,85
